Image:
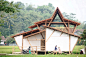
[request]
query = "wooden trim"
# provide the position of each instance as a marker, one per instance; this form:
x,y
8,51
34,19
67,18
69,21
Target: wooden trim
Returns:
x,y
38,26
69,44
58,22
61,33
50,22
46,23
38,46
50,35
59,36
31,28
36,39
22,42
68,27
74,28
42,36
34,34
74,46
30,44
65,25
45,42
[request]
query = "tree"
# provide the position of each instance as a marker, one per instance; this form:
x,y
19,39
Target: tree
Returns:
x,y
0,37
7,7
84,26
10,40
84,37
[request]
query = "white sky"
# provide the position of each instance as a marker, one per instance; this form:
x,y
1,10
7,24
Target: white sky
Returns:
x,y
77,7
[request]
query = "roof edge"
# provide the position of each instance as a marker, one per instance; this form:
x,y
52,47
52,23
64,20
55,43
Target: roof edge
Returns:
x,y
63,31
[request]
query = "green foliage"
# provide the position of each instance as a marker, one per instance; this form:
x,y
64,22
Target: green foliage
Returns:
x,y
8,6
84,26
0,36
10,40
84,37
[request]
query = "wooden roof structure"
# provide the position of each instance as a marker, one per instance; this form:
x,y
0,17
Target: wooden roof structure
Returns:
x,y
47,23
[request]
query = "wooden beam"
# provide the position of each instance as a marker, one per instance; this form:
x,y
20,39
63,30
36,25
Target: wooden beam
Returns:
x,y
42,36
50,22
65,25
69,44
50,35
31,28
45,22
30,44
36,39
61,33
22,42
34,34
57,22
74,28
38,27
45,42
68,27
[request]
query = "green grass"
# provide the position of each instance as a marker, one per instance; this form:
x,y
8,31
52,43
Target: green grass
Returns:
x,y
43,55
77,48
8,49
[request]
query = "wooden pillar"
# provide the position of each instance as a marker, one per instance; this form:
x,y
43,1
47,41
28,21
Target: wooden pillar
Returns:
x,y
69,44
22,42
68,27
31,28
36,49
74,28
45,42
38,27
46,22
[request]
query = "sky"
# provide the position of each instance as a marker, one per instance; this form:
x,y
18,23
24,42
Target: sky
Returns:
x,y
77,7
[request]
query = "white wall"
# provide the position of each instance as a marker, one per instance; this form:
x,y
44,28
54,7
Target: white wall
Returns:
x,y
26,44
61,41
2,42
18,40
33,43
73,42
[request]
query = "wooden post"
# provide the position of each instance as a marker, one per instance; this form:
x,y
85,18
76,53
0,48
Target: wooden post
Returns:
x,y
68,27
22,42
74,28
36,49
69,44
13,49
45,42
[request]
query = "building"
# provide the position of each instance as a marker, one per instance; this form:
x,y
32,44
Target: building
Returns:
x,y
2,40
46,37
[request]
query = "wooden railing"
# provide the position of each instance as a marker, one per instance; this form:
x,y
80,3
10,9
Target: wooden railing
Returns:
x,y
33,48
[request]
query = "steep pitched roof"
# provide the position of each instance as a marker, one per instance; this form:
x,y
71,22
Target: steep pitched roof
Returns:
x,y
49,21
24,33
63,31
3,38
57,11
39,23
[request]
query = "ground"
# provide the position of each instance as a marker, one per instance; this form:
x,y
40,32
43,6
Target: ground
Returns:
x,y
8,50
43,55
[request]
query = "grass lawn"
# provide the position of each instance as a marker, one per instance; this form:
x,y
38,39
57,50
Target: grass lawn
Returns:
x,y
43,55
8,49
